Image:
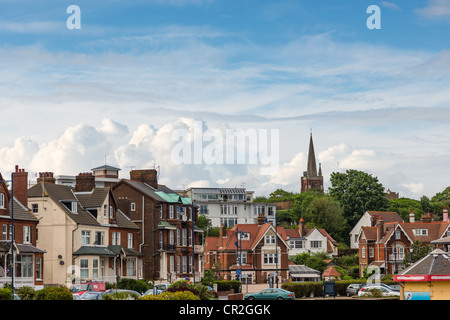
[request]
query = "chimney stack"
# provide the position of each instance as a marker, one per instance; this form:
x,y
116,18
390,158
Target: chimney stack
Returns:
x,y
20,185
84,182
427,217
445,214
46,177
149,176
260,219
412,216
301,227
380,229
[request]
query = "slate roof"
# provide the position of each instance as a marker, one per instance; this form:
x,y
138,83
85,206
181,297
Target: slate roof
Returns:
x,y
386,216
105,167
436,262
58,193
144,188
93,199
20,212
122,221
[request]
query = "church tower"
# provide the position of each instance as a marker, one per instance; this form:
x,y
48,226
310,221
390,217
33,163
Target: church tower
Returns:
x,y
312,179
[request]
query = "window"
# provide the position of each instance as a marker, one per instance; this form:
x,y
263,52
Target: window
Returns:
x,y
2,200
24,266
363,252
73,207
420,232
5,232
133,206
84,268
371,252
160,212
26,234
104,210
118,239
131,267
316,244
242,258
85,237
95,269
141,268
39,275
297,244
172,264
99,237
171,212
397,235
184,237
171,237
204,209
178,236
113,238
269,258
178,264
35,208
270,239
111,212
184,264
130,240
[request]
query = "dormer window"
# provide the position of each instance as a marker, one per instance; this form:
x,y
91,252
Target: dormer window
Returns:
x,y
70,205
420,232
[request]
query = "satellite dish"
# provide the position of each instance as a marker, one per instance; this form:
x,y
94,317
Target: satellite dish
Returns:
x,y
184,217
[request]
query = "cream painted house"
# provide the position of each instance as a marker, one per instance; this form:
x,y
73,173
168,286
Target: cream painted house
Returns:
x,y
84,234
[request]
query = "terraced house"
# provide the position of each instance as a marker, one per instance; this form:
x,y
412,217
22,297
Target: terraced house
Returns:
x,y
84,234
21,262
168,237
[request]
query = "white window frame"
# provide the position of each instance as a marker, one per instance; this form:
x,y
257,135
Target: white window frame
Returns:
x,y
85,237
130,240
26,234
133,206
2,201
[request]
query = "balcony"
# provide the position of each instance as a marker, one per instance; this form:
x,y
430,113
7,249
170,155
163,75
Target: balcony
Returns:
x,y
396,257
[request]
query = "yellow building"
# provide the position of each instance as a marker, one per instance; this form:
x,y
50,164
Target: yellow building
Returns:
x,y
427,279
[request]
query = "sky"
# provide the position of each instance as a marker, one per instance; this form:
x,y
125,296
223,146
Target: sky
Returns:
x,y
160,83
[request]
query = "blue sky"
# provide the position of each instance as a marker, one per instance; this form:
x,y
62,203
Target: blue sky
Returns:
x,y
375,100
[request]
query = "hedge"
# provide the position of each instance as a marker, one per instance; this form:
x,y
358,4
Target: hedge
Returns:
x,y
226,285
315,289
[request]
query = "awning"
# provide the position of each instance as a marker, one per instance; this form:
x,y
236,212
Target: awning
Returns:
x,y
305,275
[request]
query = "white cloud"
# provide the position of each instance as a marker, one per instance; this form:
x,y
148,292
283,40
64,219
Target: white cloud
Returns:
x,y
416,188
435,9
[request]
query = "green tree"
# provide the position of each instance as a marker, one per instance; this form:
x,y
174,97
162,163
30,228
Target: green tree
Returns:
x,y
440,196
419,251
403,207
357,192
324,212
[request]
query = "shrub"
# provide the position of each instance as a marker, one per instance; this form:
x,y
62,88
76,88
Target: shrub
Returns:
x,y
132,284
197,289
167,295
225,285
54,293
6,294
26,293
120,296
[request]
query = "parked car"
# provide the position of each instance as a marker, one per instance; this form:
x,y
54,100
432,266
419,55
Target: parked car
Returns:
x,y
87,286
157,289
92,295
385,290
271,294
110,291
353,289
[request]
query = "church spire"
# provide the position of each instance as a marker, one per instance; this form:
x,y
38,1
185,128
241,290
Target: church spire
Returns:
x,y
312,179
311,170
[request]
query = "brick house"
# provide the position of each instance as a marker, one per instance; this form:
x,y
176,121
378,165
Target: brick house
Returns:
x,y
251,249
28,259
384,245
168,236
76,227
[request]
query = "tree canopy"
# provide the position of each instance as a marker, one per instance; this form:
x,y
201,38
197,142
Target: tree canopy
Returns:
x,y
357,192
